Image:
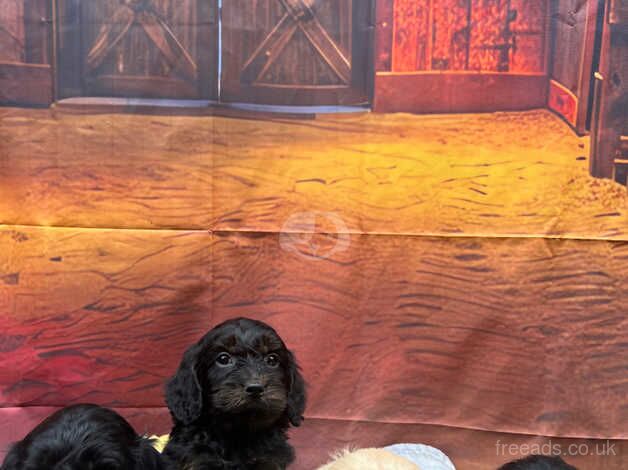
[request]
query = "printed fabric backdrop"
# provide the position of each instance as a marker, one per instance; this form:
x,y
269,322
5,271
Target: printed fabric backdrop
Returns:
x,y
450,268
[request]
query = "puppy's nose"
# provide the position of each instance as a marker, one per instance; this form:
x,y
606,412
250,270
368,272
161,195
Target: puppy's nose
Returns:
x,y
254,389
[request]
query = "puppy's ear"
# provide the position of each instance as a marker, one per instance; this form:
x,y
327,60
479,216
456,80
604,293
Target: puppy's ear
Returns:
x,y
296,392
183,391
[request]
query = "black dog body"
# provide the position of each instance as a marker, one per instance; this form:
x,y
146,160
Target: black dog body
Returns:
x,y
195,447
83,437
232,400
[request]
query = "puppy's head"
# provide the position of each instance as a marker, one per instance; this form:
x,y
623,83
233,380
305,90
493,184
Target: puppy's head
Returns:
x,y
368,459
83,437
538,462
241,368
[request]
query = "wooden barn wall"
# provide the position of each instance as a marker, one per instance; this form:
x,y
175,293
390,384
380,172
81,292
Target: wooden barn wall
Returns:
x,y
12,35
25,51
460,56
489,312
609,123
573,28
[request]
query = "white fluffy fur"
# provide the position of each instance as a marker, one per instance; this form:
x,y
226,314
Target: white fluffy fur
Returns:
x,y
368,459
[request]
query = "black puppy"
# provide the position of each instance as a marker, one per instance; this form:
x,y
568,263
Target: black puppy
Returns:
x,y
538,462
234,396
83,437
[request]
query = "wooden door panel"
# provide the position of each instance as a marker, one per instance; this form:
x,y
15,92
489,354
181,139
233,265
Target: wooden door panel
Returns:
x,y
25,72
457,56
569,21
609,123
290,71
574,27
295,51
473,35
531,30
490,40
12,31
138,48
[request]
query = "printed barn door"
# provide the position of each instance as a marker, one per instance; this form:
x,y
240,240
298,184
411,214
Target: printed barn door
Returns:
x,y
139,48
575,25
296,52
456,56
25,72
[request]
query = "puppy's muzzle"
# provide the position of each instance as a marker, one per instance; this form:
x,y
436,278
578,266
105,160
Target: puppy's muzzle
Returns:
x,y
254,389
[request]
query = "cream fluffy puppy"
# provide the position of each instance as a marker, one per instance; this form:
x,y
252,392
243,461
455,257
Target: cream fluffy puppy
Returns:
x,y
368,459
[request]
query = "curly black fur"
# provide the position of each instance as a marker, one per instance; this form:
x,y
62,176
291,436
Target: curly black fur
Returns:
x,y
538,462
83,437
232,400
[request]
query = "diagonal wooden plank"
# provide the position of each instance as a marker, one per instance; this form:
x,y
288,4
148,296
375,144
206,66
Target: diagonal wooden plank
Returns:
x,y
285,40
319,38
298,15
110,35
167,43
300,9
327,48
268,51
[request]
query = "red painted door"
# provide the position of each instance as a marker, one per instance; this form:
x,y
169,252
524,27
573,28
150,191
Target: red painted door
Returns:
x,y
461,55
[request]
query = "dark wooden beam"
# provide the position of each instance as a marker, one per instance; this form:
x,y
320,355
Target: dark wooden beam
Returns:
x,y
29,84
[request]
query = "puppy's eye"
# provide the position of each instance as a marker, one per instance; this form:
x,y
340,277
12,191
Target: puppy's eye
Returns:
x,y
272,360
224,359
